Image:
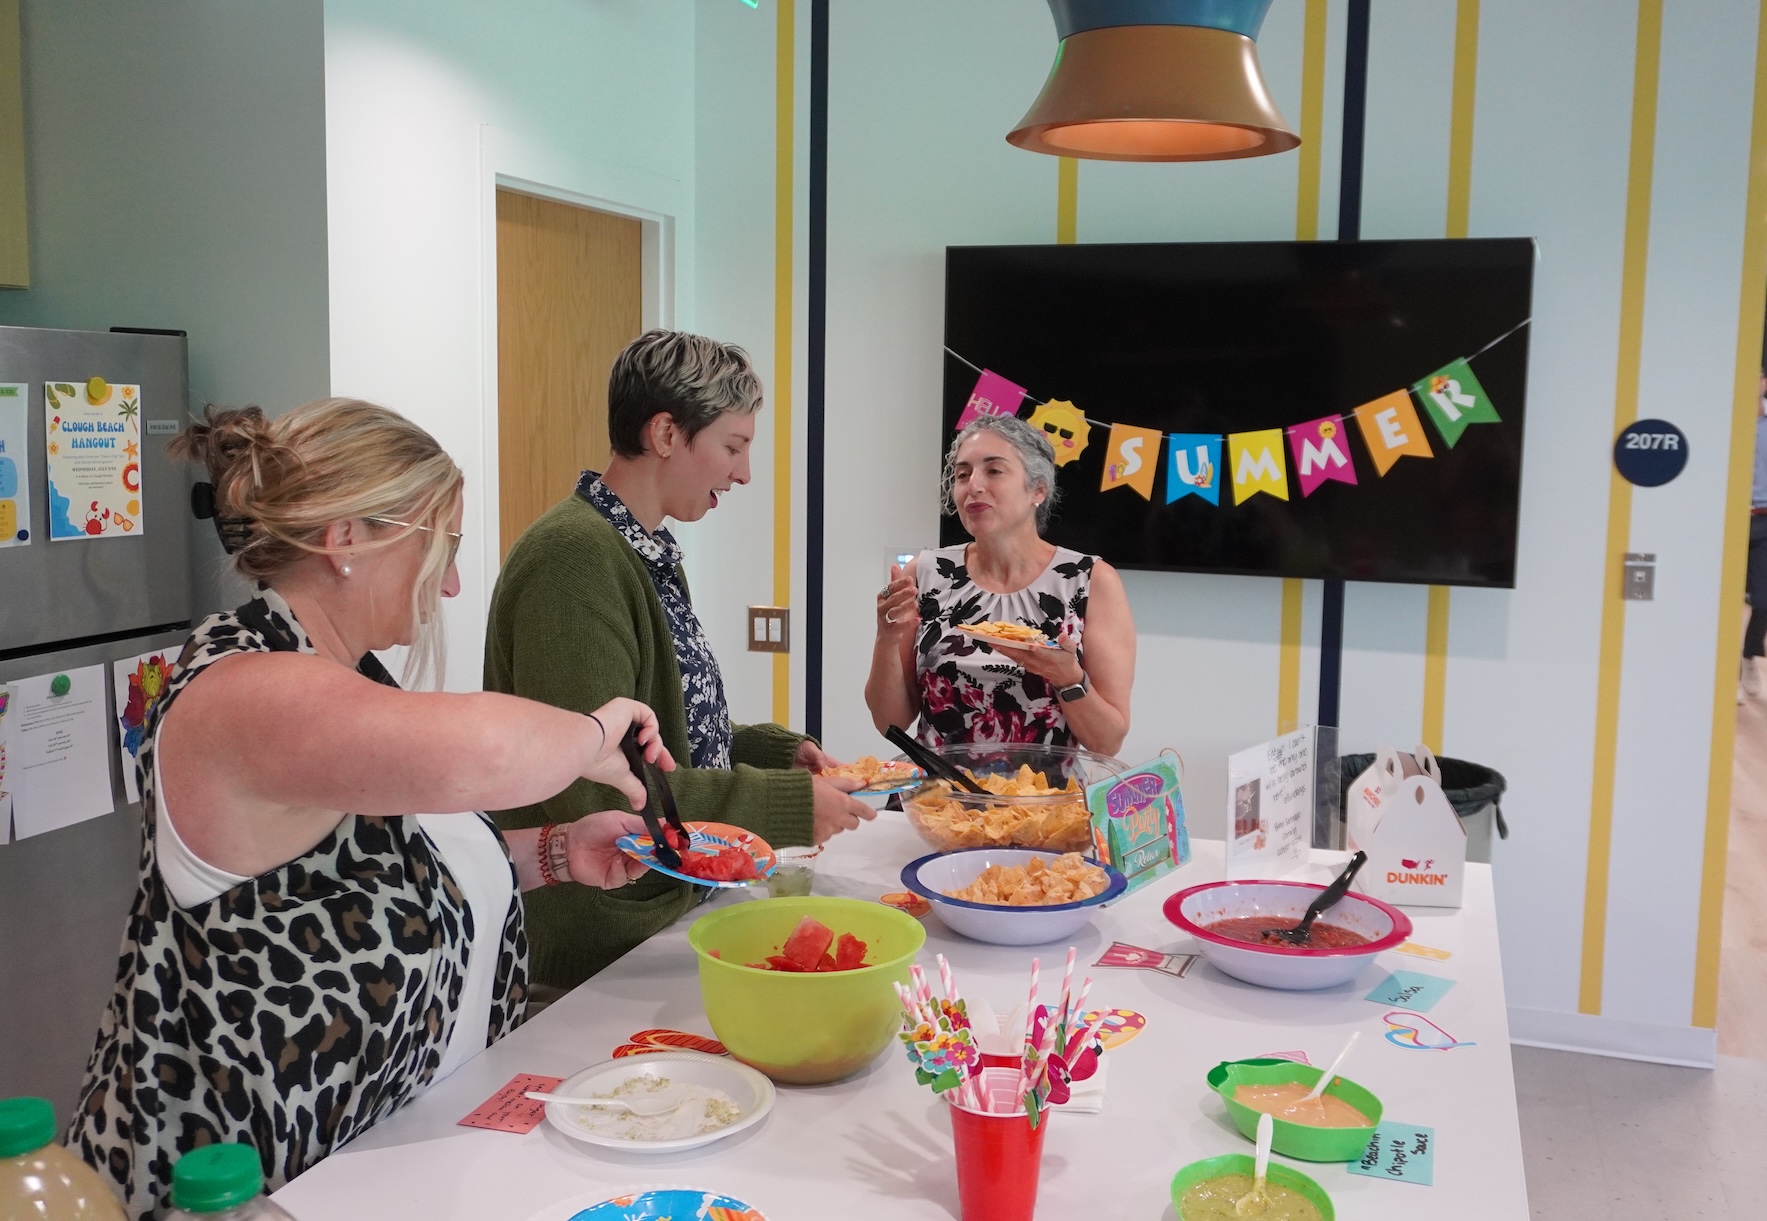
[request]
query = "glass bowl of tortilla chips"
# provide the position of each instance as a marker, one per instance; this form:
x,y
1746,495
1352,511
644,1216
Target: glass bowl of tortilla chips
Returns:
x,y
1036,798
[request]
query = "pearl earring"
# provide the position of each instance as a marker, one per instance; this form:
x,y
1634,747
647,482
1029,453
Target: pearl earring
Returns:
x,y
345,570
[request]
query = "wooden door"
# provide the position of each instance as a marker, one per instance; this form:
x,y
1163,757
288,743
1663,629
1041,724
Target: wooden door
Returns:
x,y
569,298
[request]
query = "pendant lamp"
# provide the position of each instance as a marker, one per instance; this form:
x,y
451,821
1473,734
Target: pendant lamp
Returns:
x,y
1155,80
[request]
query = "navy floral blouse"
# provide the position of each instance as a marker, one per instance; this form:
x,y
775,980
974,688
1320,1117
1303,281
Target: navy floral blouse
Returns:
x,y
709,733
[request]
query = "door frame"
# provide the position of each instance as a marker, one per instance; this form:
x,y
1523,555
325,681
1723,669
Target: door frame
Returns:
x,y
659,205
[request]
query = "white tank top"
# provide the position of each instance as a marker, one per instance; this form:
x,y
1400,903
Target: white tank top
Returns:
x,y
472,855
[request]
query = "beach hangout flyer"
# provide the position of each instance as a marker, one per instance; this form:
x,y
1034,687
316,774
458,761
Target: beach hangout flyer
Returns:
x,y
1138,821
92,441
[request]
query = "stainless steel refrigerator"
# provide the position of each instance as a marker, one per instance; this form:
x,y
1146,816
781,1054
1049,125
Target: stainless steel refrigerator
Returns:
x,y
65,605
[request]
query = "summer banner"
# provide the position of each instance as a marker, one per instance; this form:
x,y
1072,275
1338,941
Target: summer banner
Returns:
x,y
1193,466
993,395
1133,458
93,444
1320,453
1454,399
15,482
1391,429
1256,461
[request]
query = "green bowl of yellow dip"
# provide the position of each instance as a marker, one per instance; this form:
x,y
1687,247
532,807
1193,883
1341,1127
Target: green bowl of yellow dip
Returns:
x,y
1293,1191
1297,1140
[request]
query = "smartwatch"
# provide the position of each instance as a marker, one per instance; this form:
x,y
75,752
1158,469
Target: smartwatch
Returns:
x,y
1068,695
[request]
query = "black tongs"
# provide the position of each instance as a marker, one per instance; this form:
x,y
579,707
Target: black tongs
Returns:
x,y
649,774
931,763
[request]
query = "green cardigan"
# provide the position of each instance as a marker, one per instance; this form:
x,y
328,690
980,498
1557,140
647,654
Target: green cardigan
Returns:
x,y
575,622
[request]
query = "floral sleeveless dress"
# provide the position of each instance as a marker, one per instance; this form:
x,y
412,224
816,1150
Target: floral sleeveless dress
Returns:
x,y
972,693
294,1010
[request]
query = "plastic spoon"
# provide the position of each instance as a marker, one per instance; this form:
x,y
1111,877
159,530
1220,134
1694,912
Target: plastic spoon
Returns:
x,y
1300,933
644,1108
1257,1200
1313,1101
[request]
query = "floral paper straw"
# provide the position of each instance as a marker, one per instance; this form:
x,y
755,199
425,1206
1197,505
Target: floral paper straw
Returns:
x,y
1067,981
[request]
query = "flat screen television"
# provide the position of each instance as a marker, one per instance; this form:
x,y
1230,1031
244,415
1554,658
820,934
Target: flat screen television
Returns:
x,y
1223,338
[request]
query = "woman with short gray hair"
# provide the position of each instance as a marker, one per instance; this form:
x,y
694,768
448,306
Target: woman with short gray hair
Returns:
x,y
592,598
1000,481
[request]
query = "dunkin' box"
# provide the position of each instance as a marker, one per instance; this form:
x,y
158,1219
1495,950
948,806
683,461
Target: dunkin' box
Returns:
x,y
1397,813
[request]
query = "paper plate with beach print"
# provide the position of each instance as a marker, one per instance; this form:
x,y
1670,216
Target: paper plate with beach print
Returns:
x,y
712,841
655,1204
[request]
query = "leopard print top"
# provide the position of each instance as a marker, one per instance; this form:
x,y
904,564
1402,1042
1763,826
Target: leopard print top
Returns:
x,y
294,1010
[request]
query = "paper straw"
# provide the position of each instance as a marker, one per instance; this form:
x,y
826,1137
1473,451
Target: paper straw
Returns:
x,y
1079,1007
945,980
1067,982
1084,1040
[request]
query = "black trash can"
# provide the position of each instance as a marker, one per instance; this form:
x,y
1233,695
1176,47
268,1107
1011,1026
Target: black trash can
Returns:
x,y
1474,790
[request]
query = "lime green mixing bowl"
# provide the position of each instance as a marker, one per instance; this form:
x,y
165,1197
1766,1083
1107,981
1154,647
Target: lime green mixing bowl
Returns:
x,y
803,1029
1297,1140
1243,1163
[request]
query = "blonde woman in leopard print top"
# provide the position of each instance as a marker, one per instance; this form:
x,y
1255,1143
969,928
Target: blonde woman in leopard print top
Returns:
x,y
323,926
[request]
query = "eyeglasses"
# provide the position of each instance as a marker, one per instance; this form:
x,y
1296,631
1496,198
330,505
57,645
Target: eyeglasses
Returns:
x,y
454,536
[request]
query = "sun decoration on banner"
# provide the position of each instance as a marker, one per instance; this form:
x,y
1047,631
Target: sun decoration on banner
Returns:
x,y
1317,450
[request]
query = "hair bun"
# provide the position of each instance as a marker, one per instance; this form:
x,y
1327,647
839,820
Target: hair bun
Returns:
x,y
239,448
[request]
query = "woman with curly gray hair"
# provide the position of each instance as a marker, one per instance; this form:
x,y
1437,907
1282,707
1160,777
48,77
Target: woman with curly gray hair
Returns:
x,y
1000,481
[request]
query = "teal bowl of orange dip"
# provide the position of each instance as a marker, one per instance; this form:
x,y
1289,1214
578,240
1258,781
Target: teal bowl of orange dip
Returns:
x,y
1340,1124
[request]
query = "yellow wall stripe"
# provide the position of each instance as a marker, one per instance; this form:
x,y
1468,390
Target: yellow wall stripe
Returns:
x,y
1460,124
1312,122
1460,148
1749,319
1435,668
1636,252
1288,668
1067,201
784,131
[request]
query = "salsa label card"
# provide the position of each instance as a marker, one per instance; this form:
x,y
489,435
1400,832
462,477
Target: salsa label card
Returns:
x,y
508,1111
1404,1153
1412,989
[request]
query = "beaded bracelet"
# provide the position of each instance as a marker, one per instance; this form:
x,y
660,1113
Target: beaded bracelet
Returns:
x,y
544,851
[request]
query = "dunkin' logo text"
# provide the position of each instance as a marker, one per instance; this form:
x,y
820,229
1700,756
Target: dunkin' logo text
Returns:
x,y
1415,873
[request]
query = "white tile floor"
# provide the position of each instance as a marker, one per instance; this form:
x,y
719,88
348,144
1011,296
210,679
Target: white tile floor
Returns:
x,y
1616,1140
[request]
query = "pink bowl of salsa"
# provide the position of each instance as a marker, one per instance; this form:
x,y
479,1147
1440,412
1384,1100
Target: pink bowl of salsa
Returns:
x,y
1230,921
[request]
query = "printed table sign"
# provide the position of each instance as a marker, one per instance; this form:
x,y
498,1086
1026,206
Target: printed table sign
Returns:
x,y
1138,821
93,445
1404,1153
15,469
1412,989
1270,806
508,1111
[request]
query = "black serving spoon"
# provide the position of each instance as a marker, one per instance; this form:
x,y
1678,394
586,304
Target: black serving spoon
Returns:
x,y
1302,932
930,762
648,774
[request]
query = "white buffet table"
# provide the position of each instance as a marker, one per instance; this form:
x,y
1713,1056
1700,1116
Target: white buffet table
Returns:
x,y
878,1146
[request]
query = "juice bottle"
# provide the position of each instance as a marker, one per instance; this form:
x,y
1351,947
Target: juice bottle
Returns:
x,y
40,1180
221,1183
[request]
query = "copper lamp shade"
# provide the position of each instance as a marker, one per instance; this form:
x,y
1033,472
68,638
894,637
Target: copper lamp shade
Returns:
x,y
1156,80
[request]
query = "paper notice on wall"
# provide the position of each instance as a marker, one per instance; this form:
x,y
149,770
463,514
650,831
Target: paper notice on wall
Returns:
x,y
139,684
57,751
15,470
1270,806
6,723
92,440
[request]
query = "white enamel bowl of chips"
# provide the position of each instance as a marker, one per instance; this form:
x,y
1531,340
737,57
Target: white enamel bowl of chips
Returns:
x,y
931,876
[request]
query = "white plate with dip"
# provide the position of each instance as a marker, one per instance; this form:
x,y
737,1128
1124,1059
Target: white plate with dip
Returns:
x,y
709,1083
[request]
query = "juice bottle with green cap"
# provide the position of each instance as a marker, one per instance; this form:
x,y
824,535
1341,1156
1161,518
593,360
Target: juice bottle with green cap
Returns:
x,y
40,1179
221,1183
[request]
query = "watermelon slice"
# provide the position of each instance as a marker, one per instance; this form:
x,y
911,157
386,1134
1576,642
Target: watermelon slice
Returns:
x,y
808,942
728,864
849,953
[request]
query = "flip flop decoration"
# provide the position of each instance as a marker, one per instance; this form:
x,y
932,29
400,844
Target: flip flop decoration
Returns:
x,y
645,1042
1117,1028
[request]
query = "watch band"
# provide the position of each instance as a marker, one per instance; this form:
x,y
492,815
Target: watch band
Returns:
x,y
1068,695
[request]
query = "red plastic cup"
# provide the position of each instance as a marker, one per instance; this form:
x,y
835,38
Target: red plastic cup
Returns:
x,y
999,1158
